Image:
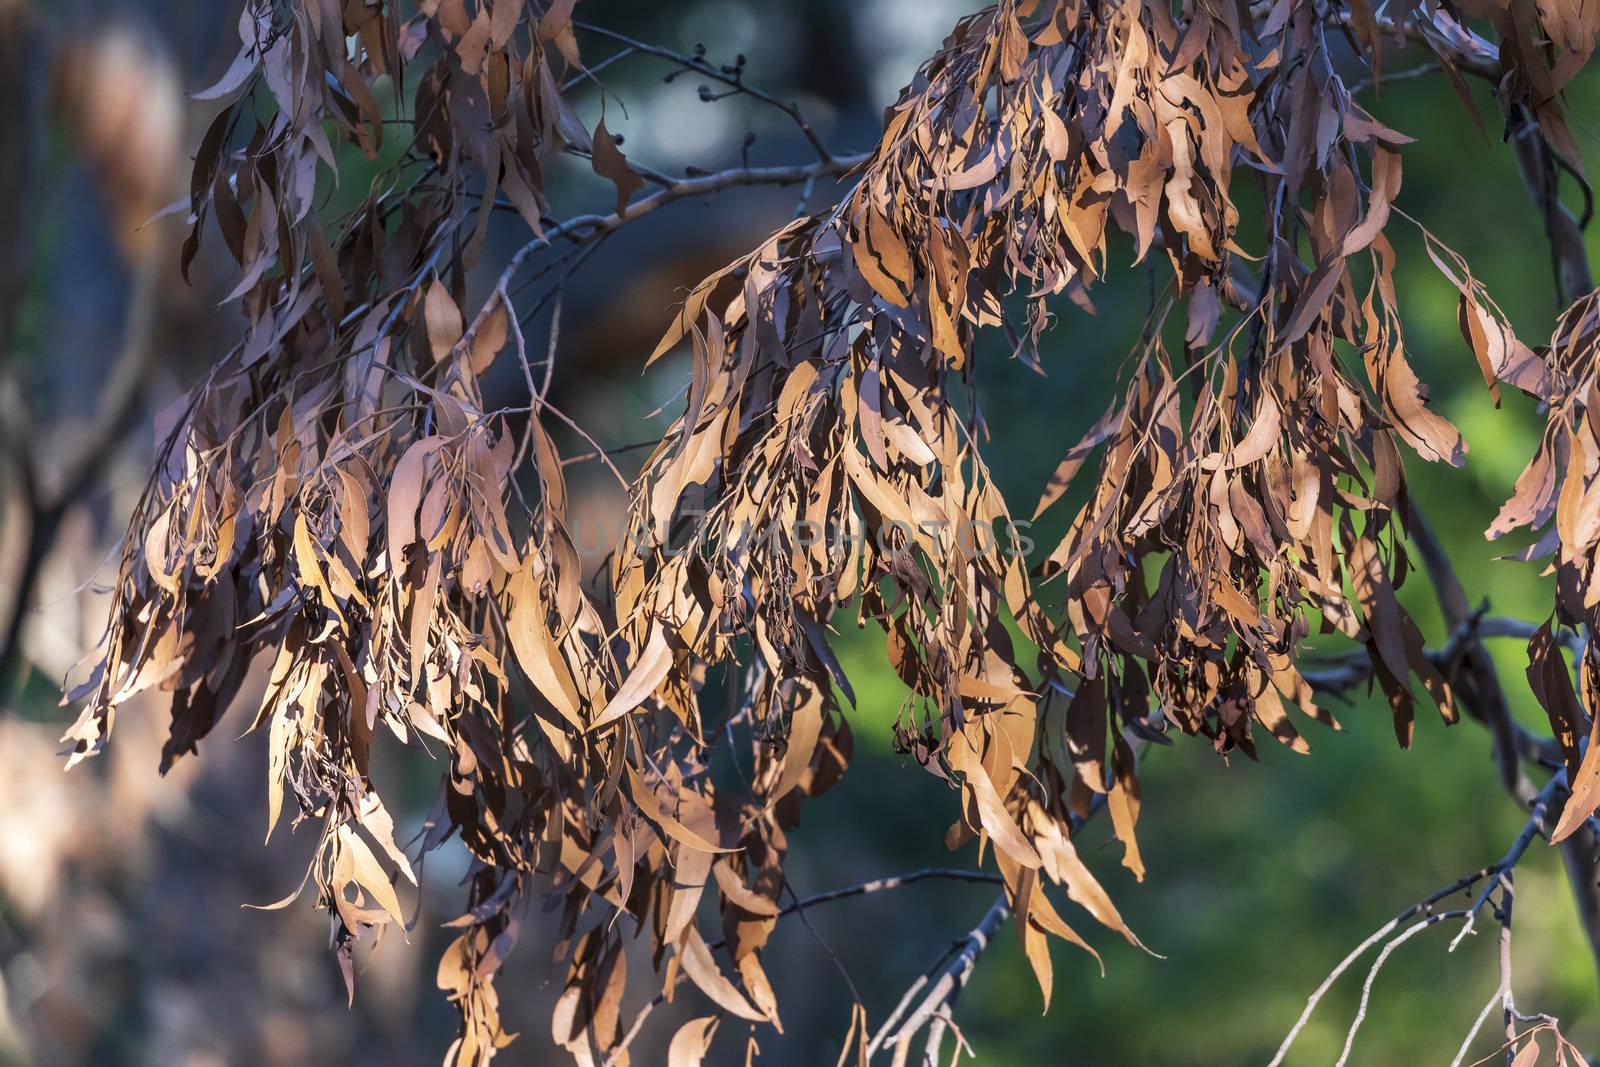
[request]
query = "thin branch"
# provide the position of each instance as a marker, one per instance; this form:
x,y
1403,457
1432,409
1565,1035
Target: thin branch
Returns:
x,y
943,1021
1483,65
615,450
1514,854
1372,976
587,227
618,1053
1477,1025
948,975
1508,1006
702,185
876,885
1378,935
950,979
1474,670
1483,693
118,403
838,964
1493,874
1421,70
699,65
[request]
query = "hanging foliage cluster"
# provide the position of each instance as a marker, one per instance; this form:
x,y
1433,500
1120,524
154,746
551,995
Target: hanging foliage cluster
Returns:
x,y
338,500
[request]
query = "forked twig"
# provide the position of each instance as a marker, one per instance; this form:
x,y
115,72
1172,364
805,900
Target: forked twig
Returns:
x,y
876,885
1497,876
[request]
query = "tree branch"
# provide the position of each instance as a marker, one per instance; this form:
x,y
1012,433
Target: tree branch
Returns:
x,y
735,81
1573,278
1495,876
1482,693
1482,64
1541,168
945,983
876,885
948,975
118,403
587,227
1538,164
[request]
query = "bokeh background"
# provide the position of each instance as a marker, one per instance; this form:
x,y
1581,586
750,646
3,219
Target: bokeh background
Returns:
x,y
122,939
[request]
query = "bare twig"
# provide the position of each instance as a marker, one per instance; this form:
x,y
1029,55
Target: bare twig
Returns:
x,y
930,996
587,227
1494,877
1424,906
1477,1025
699,65
876,885
1508,1006
949,980
942,1023
1372,976
833,957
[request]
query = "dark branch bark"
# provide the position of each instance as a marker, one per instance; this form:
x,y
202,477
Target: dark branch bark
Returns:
x,y
1477,681
1541,171
47,506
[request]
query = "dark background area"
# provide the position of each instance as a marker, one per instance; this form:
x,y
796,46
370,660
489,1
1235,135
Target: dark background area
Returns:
x,y
122,939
